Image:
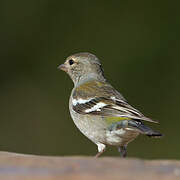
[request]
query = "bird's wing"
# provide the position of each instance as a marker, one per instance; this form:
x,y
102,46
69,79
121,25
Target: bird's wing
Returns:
x,y
101,99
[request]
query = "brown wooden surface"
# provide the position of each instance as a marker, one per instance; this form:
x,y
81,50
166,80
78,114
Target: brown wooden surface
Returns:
x,y
27,167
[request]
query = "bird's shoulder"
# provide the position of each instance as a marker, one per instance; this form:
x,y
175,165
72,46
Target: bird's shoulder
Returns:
x,y
95,88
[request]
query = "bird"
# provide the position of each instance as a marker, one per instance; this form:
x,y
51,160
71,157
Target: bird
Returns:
x,y
98,110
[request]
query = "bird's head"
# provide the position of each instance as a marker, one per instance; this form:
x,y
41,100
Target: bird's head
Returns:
x,y
82,66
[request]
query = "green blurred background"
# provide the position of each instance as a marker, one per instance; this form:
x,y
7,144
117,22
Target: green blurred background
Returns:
x,y
138,43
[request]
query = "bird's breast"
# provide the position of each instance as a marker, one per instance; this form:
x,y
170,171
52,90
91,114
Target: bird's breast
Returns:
x,y
91,126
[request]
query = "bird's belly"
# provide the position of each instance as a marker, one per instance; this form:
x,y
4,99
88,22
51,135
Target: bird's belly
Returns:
x,y
92,128
120,137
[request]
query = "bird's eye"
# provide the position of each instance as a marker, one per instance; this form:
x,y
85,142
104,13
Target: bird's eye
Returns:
x,y
71,62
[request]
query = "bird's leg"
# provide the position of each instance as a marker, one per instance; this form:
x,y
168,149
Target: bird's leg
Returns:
x,y
98,154
101,149
123,151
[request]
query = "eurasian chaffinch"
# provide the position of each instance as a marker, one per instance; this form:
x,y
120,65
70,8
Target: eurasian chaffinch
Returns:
x,y
99,111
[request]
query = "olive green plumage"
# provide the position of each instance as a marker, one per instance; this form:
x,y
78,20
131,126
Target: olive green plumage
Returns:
x,y
99,111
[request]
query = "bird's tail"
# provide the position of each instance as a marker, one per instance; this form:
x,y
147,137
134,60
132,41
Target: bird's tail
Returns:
x,y
143,129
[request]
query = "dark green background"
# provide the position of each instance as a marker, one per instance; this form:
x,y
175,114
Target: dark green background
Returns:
x,y
138,43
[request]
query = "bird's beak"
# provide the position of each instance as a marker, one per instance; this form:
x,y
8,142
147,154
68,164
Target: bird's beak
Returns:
x,y
62,67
